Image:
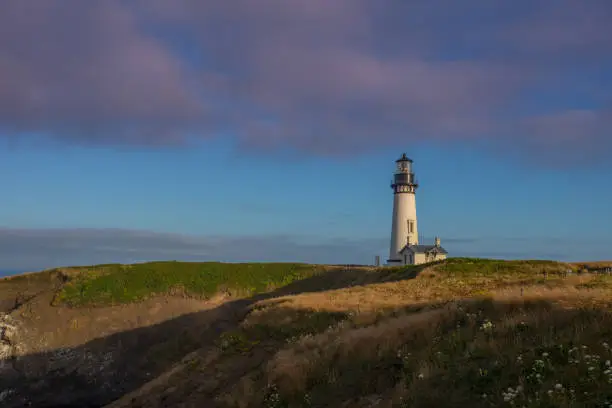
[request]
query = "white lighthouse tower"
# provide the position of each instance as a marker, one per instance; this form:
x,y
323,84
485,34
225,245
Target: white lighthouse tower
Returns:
x,y
404,227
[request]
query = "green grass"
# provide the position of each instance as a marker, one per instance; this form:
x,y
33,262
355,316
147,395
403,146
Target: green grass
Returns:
x,y
474,267
116,283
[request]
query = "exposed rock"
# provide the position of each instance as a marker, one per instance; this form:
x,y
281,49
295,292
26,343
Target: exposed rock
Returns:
x,y
9,345
4,394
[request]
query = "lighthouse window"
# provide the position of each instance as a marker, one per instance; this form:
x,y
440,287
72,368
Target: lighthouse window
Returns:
x,y
410,227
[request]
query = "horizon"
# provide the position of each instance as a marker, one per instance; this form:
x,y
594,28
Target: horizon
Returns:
x,y
229,131
14,272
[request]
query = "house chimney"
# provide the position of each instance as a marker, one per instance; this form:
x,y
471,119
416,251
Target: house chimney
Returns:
x,y
437,241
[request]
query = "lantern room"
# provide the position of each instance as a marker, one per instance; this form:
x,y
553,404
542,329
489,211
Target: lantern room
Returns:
x,y
403,164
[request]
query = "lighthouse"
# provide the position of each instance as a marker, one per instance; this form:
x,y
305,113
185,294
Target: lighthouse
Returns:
x,y
404,224
405,248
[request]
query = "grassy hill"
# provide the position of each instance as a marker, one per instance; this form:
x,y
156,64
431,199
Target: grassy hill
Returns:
x,y
115,283
463,332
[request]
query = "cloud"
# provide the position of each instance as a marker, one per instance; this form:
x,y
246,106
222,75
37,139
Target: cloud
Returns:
x,y
83,70
529,247
556,26
33,249
591,128
323,77
37,249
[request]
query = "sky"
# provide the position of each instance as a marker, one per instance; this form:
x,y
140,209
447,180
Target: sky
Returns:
x,y
237,130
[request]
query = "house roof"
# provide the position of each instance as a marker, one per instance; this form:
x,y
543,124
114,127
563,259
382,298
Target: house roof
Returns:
x,y
421,249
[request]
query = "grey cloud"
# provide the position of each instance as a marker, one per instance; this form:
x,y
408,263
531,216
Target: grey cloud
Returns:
x,y
324,77
35,249
535,247
84,71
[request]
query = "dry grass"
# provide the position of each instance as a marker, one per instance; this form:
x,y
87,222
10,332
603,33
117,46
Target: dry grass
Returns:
x,y
433,285
446,338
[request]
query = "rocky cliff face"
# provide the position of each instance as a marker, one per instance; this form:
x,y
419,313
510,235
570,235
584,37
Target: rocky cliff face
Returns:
x,y
65,376
9,349
53,356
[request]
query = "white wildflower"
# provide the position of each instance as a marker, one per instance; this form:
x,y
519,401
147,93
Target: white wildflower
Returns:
x,y
487,326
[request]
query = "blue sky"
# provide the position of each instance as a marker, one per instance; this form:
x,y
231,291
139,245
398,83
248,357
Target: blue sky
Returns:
x,y
234,132
288,207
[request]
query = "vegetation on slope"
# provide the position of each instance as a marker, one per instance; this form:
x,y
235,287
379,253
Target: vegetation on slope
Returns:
x,y
485,353
102,285
108,284
466,332
462,332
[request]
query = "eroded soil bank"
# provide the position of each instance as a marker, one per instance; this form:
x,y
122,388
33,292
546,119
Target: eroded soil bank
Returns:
x,y
52,356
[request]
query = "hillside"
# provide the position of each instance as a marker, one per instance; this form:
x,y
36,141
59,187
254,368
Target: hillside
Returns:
x,y
464,332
